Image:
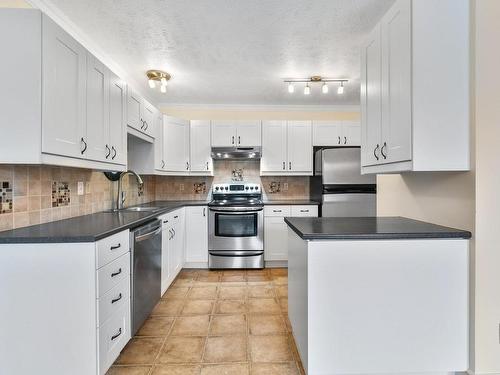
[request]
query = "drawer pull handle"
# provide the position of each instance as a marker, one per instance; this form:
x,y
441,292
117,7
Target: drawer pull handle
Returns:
x,y
116,246
117,298
304,210
117,335
175,217
165,221
116,273
276,210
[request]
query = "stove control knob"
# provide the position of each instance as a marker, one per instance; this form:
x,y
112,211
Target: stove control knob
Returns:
x,y
251,187
246,188
226,188
216,188
256,188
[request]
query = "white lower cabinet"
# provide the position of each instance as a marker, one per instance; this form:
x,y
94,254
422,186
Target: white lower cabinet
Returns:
x,y
197,236
113,336
172,249
275,228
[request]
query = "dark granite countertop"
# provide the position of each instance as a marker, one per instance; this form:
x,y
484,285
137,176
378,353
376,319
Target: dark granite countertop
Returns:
x,y
291,202
90,228
369,228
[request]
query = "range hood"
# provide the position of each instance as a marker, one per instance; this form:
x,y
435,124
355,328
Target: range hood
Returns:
x,y
250,153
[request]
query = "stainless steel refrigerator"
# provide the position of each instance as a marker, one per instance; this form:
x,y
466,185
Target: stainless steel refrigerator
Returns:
x,y
338,182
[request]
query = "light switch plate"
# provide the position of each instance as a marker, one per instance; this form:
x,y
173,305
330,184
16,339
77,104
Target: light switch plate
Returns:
x,y
80,188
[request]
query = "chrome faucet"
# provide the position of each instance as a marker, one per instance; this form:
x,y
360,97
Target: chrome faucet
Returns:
x,y
119,199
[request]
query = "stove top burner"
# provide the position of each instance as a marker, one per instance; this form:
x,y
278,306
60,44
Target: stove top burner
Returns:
x,y
236,194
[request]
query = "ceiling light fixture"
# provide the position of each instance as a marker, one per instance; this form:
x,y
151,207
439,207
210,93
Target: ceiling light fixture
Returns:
x,y
315,79
340,90
158,76
307,89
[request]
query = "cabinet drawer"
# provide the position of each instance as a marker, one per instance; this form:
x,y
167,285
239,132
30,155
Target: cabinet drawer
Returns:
x,y
113,300
113,273
277,211
298,211
112,247
113,335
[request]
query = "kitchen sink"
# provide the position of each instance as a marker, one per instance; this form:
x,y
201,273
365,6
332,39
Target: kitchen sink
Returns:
x,y
141,209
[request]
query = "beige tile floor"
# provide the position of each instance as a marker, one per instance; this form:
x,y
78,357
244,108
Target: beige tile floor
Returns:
x,y
216,322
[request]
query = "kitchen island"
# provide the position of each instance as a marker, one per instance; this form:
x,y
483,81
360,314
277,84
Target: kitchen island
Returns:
x,y
378,295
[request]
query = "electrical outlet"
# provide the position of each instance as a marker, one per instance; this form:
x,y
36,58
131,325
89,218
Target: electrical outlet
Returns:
x,y
81,189
181,187
285,186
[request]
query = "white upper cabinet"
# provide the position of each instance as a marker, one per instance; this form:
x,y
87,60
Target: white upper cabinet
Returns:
x,y
134,103
286,148
236,133
299,140
176,144
200,156
64,77
98,147
248,133
336,133
117,136
223,133
415,88
274,146
66,118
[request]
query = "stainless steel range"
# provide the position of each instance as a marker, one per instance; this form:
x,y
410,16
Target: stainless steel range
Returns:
x,y
236,226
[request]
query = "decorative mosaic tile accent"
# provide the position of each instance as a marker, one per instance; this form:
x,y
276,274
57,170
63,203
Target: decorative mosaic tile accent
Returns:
x,y
237,174
5,197
274,187
60,194
200,187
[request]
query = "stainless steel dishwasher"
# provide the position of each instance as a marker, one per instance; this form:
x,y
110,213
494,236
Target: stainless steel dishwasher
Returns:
x,y
146,271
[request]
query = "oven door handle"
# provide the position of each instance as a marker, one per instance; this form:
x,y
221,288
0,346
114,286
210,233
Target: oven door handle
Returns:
x,y
236,210
236,253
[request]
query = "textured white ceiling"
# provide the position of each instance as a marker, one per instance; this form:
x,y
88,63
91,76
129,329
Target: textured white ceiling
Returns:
x,y
232,51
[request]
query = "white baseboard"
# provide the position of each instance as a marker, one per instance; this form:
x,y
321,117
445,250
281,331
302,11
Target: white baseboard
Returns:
x,y
276,264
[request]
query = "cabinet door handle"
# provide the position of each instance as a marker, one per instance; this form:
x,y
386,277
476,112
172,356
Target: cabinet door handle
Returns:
x,y
114,152
232,140
117,299
187,166
109,151
165,221
84,145
116,246
339,139
142,126
116,273
117,335
290,165
375,151
284,165
207,165
345,140
204,211
276,210
304,210
384,155
171,234
162,164
175,217
239,140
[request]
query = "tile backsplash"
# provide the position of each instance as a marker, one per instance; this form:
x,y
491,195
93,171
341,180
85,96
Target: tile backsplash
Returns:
x,y
32,195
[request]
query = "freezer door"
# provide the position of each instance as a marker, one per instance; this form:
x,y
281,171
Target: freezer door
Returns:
x,y
343,166
349,205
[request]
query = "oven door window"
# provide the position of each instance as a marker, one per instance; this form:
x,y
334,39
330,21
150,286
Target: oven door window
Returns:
x,y
232,225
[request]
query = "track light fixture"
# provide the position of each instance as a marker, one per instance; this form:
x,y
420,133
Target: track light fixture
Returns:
x,y
158,76
315,79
